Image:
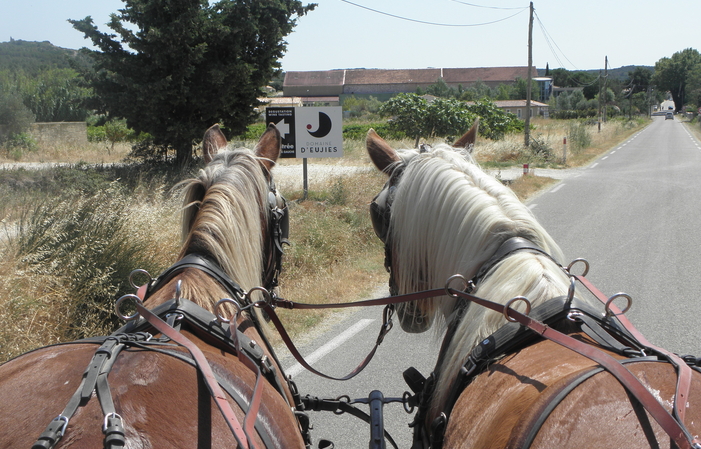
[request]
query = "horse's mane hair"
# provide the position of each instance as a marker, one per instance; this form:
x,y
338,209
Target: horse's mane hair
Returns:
x,y
454,217
223,217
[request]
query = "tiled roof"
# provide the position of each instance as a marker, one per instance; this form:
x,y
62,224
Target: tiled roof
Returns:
x,y
405,76
377,76
320,78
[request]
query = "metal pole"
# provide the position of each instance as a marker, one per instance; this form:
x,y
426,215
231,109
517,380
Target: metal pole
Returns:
x,y
304,175
527,138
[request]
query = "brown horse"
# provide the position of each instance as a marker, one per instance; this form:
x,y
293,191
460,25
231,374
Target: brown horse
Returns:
x,y
152,393
496,385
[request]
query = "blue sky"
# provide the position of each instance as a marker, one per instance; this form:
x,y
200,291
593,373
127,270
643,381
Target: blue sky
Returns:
x,y
345,34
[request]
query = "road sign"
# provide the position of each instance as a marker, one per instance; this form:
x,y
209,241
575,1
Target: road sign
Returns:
x,y
308,131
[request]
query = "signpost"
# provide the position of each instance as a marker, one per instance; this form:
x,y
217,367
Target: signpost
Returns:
x,y
308,132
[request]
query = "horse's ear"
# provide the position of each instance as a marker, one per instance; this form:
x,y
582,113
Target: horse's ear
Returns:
x,y
268,147
381,154
469,138
212,141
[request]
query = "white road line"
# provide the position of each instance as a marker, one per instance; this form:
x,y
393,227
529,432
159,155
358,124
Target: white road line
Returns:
x,y
532,206
594,165
330,346
557,187
604,158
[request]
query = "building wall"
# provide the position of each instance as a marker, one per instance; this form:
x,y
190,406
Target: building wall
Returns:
x,y
51,133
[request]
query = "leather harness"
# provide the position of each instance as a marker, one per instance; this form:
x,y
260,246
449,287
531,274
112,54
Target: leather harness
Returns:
x,y
178,312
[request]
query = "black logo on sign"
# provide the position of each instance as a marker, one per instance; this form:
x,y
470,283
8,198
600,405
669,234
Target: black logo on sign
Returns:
x,y
324,126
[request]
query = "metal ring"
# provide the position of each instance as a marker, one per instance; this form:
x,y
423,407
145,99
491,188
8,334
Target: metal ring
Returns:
x,y
221,318
507,306
344,398
405,402
584,261
451,279
607,307
267,297
134,273
63,418
107,416
118,305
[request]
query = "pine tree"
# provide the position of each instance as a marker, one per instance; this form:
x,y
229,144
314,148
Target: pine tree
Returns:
x,y
176,67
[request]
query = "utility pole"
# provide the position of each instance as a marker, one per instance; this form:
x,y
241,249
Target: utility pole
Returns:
x,y
606,75
527,141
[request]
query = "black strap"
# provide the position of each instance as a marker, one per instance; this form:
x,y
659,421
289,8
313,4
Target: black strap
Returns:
x,y
201,263
94,380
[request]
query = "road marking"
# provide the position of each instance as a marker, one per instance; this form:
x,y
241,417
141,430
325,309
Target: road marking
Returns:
x,y
613,151
557,187
604,158
594,165
532,206
330,346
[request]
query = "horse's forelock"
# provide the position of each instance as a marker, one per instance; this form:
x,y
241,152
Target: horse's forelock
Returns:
x,y
448,217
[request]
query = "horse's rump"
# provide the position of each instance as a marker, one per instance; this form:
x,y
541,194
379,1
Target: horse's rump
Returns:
x,y
546,396
160,396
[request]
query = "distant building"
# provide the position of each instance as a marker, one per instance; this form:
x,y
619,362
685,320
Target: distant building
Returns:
x,y
381,82
518,107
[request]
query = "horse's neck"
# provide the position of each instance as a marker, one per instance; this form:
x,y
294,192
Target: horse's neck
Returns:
x,y
534,276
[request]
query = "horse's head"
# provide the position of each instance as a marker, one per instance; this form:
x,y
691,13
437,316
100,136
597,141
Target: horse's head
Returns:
x,y
234,215
407,274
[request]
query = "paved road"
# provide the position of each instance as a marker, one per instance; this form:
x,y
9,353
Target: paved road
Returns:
x,y
634,214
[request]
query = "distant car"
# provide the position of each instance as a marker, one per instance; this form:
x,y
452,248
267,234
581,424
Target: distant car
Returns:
x,y
669,116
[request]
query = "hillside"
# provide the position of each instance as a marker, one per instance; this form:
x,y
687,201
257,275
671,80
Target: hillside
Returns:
x,y
619,74
33,57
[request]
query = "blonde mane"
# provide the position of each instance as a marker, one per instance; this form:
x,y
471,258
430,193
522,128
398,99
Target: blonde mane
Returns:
x,y
224,218
449,217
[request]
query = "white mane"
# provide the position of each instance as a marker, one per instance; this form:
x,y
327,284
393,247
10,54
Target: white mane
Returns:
x,y
449,217
223,215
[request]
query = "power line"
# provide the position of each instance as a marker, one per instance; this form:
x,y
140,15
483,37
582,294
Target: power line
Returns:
x,y
549,39
432,23
488,7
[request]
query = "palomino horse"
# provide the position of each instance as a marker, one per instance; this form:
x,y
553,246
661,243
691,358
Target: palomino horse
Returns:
x,y
495,384
150,392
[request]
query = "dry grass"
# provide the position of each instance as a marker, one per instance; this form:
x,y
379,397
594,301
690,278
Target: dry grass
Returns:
x,y
92,153
549,134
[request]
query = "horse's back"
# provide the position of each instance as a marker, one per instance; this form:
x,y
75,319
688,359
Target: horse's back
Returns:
x,y
160,397
546,396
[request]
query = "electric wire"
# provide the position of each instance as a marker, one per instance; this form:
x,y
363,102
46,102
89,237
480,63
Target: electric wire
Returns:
x,y
432,23
482,6
549,39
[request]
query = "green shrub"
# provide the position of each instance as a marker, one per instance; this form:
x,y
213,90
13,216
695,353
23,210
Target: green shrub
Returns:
x,y
579,137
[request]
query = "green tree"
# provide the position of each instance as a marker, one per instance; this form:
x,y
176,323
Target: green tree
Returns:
x,y
673,74
172,68
15,117
639,79
495,123
409,114
416,118
56,95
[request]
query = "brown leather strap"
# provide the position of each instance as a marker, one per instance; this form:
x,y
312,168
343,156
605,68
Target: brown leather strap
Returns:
x,y
684,371
215,390
669,424
386,326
